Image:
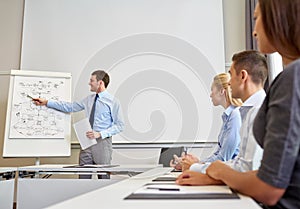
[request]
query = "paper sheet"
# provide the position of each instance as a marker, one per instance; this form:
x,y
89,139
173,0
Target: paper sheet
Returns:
x,y
173,191
81,127
173,188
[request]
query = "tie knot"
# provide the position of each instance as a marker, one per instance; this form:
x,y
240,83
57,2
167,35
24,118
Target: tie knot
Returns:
x,y
96,97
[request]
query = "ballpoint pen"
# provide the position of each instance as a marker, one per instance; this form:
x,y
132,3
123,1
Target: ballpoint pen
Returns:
x,y
164,189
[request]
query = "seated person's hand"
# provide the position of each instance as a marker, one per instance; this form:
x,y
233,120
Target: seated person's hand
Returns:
x,y
187,161
195,178
217,168
176,162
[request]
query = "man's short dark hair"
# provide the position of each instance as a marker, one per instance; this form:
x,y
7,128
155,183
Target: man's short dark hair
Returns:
x,y
102,75
254,63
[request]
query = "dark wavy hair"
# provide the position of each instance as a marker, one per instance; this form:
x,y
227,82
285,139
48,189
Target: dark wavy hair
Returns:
x,y
281,22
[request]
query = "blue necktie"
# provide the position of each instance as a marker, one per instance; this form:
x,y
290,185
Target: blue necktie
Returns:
x,y
92,115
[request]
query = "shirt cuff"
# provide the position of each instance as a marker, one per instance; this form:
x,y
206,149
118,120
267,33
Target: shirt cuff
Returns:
x,y
103,134
199,167
50,103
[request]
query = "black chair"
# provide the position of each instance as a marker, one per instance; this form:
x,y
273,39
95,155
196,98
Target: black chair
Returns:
x,y
166,154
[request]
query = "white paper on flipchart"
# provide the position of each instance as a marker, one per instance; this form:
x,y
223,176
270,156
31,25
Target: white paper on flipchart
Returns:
x,y
81,127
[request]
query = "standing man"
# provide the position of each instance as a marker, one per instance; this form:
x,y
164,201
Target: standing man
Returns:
x,y
104,113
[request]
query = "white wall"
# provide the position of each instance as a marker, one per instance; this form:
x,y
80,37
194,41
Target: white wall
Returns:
x,y
11,12
234,27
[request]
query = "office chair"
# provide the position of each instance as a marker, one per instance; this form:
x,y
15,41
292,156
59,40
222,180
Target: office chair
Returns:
x,y
166,154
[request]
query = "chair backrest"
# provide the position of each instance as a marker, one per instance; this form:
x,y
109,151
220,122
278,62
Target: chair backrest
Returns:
x,y
166,154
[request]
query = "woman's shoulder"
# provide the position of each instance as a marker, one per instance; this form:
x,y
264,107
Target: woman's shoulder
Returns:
x,y
290,73
235,112
294,64
292,69
285,82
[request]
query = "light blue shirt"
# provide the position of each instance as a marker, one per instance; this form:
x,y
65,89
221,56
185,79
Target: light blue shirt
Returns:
x,y
229,136
250,153
108,118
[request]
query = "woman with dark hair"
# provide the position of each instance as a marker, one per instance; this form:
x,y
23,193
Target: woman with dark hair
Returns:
x,y
276,128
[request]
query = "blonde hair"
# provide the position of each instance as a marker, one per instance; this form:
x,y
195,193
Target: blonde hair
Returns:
x,y
221,81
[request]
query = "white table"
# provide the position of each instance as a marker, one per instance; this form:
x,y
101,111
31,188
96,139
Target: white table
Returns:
x,y
35,191
7,184
113,196
49,169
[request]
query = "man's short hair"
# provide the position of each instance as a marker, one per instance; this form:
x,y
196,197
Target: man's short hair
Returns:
x,y
254,63
102,75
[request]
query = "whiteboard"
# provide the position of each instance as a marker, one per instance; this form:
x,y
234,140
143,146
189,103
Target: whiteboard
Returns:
x,y
161,57
37,131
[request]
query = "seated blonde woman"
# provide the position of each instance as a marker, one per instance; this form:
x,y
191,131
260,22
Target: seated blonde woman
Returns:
x,y
229,137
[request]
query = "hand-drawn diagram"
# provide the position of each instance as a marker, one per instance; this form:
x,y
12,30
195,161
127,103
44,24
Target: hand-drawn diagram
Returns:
x,y
31,121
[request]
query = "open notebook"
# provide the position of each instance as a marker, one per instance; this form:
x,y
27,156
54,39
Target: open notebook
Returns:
x,y
174,191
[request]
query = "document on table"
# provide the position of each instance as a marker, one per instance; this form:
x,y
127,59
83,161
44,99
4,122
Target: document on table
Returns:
x,y
173,191
171,188
81,127
167,177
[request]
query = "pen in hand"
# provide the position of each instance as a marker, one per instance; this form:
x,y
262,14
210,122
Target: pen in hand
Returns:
x,y
34,99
